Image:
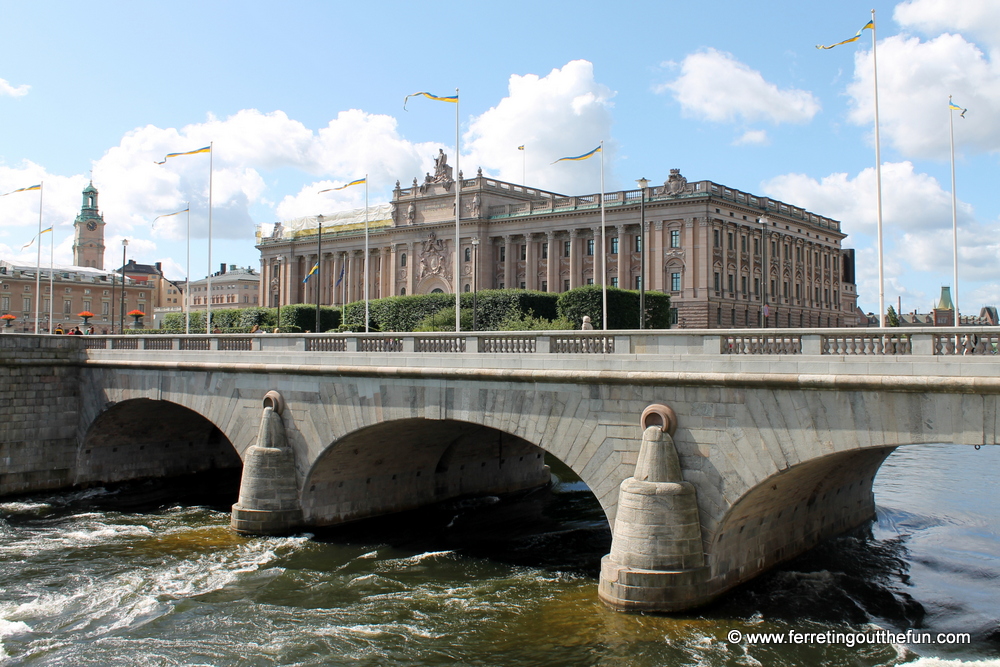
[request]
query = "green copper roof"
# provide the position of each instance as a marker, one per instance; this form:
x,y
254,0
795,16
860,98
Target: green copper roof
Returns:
x,y
945,302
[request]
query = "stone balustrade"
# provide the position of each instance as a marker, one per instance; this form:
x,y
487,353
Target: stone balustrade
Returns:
x,y
975,341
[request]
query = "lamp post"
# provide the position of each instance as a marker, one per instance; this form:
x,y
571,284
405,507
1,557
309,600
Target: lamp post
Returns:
x,y
475,281
643,183
319,269
121,309
278,323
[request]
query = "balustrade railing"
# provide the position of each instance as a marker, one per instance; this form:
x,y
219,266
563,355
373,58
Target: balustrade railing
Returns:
x,y
923,341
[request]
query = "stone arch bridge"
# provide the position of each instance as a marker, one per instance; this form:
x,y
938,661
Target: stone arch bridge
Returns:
x,y
714,456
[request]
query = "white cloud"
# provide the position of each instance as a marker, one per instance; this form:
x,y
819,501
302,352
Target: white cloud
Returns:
x,y
715,86
13,91
752,138
910,200
976,17
566,112
978,252
915,79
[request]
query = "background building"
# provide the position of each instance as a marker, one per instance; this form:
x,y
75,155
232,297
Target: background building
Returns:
x,y
717,251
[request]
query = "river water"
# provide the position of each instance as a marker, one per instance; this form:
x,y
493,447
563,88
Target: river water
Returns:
x,y
151,575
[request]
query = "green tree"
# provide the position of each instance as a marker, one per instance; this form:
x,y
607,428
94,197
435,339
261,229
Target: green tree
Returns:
x,y
891,318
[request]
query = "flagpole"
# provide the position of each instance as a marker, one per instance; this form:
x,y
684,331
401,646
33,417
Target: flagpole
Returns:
x,y
208,283
604,250
954,208
458,213
187,278
524,162
38,262
878,186
367,276
52,270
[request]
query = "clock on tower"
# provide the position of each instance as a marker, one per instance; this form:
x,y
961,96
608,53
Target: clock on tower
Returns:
x,y
88,240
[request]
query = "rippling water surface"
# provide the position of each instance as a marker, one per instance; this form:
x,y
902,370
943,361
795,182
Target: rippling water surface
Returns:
x,y
149,575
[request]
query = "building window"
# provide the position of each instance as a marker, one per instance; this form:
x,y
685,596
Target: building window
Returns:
x,y
715,236
545,286
614,246
638,282
590,248
590,281
730,244
718,316
522,284
141,308
638,243
798,291
524,252
402,258
545,250
86,305
675,282
718,282
468,254
673,317
774,248
5,304
503,254
467,287
614,281
798,254
756,246
26,303
45,306
565,285
756,286
501,286
784,289
567,248
67,307
743,284
743,243
730,280
402,290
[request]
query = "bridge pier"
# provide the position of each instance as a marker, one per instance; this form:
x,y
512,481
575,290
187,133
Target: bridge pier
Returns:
x,y
657,560
269,494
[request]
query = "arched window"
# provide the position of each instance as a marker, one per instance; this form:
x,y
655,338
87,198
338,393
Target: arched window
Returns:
x,y
467,288
402,259
437,290
402,290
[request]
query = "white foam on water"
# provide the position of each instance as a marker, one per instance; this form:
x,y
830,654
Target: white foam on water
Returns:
x,y
949,662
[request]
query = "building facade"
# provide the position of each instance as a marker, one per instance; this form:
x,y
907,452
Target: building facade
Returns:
x,y
727,258
232,287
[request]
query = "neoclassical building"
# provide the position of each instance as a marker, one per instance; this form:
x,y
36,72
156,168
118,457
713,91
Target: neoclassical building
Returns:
x,y
721,254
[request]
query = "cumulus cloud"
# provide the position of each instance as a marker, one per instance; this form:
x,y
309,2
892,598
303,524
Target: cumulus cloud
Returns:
x,y
978,251
915,79
566,112
714,85
974,17
752,138
910,200
13,91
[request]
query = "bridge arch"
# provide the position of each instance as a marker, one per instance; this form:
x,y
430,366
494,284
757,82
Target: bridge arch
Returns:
x,y
406,463
141,438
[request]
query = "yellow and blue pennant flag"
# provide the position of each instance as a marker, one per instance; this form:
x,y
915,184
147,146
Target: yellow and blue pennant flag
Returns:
x,y
580,157
32,241
315,269
167,215
30,187
438,98
357,182
954,107
869,25
206,149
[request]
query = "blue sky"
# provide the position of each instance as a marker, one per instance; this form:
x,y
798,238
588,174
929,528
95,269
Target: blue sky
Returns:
x,y
302,96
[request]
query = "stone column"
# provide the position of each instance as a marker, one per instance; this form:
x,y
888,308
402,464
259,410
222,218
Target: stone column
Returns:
x,y
656,561
530,262
510,262
411,268
555,260
393,268
574,259
600,272
654,257
624,260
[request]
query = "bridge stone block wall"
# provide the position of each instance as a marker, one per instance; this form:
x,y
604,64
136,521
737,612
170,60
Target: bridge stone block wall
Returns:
x,y
39,413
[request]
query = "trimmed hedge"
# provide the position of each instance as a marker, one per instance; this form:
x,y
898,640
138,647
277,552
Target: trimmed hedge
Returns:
x,y
623,308
493,307
295,318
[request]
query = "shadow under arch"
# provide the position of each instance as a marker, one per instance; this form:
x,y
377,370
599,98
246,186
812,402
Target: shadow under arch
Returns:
x,y
145,438
405,464
792,511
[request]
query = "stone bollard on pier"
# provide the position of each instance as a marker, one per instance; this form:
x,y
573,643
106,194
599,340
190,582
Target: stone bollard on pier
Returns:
x,y
657,560
269,493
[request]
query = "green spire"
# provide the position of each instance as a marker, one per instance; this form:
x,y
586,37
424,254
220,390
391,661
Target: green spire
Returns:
x,y
945,302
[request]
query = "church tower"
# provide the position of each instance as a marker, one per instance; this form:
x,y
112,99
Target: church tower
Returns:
x,y
88,240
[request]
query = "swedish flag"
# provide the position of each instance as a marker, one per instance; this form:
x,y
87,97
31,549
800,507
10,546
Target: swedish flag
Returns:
x,y
206,149
580,157
357,182
869,25
315,269
30,187
438,98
